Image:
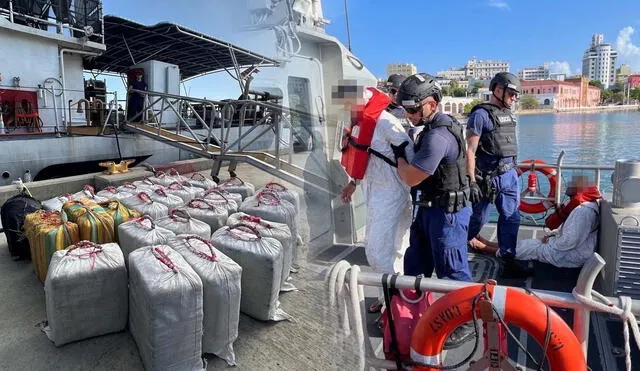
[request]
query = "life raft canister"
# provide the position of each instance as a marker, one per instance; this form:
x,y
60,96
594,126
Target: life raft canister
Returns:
x,y
532,186
356,141
513,306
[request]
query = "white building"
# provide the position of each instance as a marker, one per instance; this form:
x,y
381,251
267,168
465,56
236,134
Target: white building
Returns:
x,y
534,73
404,69
484,69
454,105
453,74
599,61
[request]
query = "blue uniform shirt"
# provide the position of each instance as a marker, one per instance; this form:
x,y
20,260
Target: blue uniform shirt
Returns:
x,y
437,145
480,123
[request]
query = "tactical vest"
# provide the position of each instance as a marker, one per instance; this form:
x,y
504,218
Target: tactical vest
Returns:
x,y
502,141
448,187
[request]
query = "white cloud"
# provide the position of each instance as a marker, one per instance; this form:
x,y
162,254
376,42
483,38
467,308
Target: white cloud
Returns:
x,y
629,52
500,4
560,67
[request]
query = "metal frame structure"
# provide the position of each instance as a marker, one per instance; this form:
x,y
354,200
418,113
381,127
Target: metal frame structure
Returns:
x,y
581,316
75,22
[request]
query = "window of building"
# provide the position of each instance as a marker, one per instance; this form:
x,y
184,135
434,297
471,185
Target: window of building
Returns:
x,y
555,89
538,90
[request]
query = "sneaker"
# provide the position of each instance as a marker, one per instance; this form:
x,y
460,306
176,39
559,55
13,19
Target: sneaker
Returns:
x,y
460,336
514,269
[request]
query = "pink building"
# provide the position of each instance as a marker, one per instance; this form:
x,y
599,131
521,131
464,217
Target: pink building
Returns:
x,y
634,81
572,93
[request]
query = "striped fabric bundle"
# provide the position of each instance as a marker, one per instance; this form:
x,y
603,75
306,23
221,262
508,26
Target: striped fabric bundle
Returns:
x,y
94,223
48,232
120,214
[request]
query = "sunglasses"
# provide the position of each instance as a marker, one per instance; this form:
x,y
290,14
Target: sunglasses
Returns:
x,y
512,93
414,109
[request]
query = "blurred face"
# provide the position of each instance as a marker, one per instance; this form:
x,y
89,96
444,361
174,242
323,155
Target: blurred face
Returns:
x,y
425,109
347,94
510,95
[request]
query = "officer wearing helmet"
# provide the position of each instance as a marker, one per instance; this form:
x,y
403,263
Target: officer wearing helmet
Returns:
x,y
393,84
438,175
492,147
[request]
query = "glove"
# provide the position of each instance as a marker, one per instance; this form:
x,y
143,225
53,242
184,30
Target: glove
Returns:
x,y
475,193
399,151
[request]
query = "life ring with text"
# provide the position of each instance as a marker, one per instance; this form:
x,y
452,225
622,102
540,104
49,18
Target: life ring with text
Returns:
x,y
514,306
532,186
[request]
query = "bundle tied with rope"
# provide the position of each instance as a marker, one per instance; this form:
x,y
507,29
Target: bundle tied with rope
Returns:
x,y
261,259
140,232
86,275
179,221
221,282
213,213
165,309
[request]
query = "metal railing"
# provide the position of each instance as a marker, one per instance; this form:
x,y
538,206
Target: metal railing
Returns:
x,y
581,312
171,118
83,18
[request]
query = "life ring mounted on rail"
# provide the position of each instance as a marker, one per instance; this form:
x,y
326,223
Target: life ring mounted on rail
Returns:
x,y
513,306
532,189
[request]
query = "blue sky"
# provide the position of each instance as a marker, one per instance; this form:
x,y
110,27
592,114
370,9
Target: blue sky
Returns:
x,y
436,35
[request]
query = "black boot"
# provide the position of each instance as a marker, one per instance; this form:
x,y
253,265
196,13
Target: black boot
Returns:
x,y
514,269
460,336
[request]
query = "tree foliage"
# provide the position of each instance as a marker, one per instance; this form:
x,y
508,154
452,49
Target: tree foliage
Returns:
x,y
469,106
529,102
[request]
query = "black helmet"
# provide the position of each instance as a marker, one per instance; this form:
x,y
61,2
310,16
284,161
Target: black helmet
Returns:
x,y
506,79
394,81
416,88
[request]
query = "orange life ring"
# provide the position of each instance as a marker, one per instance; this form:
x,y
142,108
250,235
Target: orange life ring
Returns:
x,y
514,307
532,186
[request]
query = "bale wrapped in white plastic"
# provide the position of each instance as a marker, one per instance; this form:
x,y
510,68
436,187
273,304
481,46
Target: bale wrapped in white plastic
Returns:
x,y
89,193
179,221
280,232
268,205
237,185
140,232
143,203
209,212
261,262
284,193
112,193
219,198
146,184
165,309
169,200
55,204
135,189
86,292
200,181
237,197
221,282
166,178
185,192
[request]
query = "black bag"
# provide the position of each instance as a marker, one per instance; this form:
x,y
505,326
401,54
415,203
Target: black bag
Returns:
x,y
12,216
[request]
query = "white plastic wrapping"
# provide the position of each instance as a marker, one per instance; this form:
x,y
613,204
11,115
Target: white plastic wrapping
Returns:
x,y
145,205
166,178
280,232
55,204
261,262
179,221
112,193
169,200
268,205
237,197
165,309
200,181
209,212
146,184
221,282
284,193
219,198
85,292
135,189
237,185
185,192
88,192
140,232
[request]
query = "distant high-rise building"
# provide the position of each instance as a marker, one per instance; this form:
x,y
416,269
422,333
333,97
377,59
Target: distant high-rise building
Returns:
x,y
405,69
622,74
484,70
599,62
534,73
453,74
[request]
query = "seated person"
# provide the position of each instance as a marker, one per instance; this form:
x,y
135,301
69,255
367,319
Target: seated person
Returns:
x,y
574,231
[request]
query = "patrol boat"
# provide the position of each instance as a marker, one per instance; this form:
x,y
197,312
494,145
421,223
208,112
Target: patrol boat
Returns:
x,y
299,63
